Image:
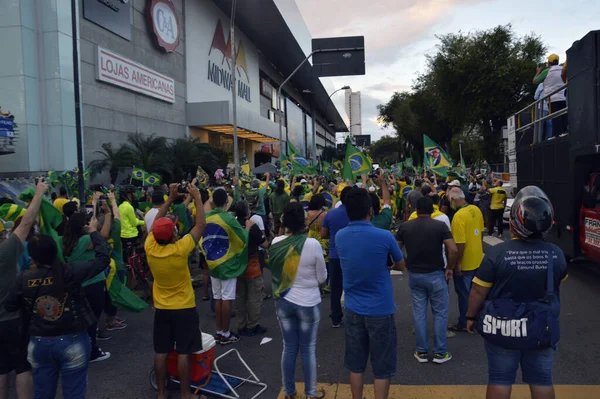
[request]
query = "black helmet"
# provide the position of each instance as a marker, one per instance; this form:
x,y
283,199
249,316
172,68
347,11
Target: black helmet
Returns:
x,y
531,214
128,189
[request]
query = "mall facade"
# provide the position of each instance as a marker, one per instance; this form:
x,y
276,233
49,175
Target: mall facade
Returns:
x,y
157,67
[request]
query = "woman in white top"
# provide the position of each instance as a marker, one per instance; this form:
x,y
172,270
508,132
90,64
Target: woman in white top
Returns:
x,y
298,268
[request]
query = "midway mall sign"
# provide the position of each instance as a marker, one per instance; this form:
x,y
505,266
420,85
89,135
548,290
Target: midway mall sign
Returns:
x,y
222,77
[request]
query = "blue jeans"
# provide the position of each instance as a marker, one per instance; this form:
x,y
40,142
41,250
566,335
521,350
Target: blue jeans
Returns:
x,y
68,355
430,288
536,365
462,286
299,326
337,288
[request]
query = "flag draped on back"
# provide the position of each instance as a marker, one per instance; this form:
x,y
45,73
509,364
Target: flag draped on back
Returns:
x,y
284,258
225,245
356,163
434,157
50,218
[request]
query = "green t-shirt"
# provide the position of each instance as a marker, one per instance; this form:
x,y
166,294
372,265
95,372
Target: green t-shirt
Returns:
x,y
384,219
278,202
542,76
260,207
82,253
116,244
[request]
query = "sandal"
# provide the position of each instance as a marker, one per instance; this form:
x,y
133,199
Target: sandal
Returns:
x,y
456,328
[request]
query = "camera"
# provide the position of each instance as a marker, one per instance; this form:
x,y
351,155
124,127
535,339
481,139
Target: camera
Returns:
x,y
103,197
182,188
373,175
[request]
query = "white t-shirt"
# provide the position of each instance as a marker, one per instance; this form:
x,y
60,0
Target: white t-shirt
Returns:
x,y
149,218
311,273
337,204
445,219
259,222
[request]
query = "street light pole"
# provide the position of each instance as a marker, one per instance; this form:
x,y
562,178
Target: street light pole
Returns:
x,y
460,151
236,151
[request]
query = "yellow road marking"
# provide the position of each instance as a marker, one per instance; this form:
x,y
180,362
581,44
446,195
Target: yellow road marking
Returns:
x,y
342,391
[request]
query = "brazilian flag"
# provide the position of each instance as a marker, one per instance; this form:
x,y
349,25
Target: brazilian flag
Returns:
x,y
224,245
201,176
408,163
356,163
138,174
11,212
329,199
339,165
284,258
184,223
435,158
286,165
299,163
152,180
52,178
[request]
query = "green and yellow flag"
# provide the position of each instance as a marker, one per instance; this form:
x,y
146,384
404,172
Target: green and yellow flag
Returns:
x,y
356,163
11,212
201,176
152,179
138,174
434,157
284,258
286,165
299,163
184,222
339,165
244,165
224,245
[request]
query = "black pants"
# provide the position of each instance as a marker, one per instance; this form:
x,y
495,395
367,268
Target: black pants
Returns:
x,y
95,296
336,291
498,220
559,124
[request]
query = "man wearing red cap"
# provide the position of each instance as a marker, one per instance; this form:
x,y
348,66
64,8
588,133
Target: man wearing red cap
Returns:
x,y
176,322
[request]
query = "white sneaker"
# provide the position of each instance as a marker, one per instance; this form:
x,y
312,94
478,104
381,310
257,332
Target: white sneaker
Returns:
x,y
102,356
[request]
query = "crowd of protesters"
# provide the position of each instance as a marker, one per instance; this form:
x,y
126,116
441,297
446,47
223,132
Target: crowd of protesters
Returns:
x,y
317,237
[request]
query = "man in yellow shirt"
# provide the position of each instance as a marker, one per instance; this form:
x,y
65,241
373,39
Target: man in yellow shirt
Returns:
x,y
129,221
467,230
61,200
499,197
176,322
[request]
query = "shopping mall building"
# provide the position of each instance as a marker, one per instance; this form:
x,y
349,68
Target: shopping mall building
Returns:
x,y
155,67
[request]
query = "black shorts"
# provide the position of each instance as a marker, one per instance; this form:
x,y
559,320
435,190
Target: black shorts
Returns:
x,y
13,347
177,327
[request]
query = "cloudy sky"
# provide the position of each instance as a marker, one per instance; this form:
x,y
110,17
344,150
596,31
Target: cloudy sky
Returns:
x,y
399,33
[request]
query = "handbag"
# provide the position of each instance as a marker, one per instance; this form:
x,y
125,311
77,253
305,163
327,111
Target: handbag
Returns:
x,y
516,325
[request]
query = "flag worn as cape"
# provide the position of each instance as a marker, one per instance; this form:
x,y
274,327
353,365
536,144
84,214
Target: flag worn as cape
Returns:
x,y
224,245
50,217
434,157
284,258
356,163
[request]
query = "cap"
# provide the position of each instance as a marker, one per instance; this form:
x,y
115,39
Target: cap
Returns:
x,y
553,57
454,183
303,181
162,229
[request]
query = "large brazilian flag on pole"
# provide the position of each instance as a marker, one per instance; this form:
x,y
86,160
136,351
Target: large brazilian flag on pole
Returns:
x,y
356,163
434,157
225,245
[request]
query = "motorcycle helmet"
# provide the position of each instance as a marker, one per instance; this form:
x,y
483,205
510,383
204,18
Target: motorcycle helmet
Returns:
x,y
531,214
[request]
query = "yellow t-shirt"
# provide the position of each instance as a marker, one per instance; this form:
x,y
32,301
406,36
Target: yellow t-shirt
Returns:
x,y
172,288
436,213
59,203
498,196
467,229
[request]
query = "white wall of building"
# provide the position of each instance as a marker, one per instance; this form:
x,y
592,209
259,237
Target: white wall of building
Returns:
x,y
202,17
354,111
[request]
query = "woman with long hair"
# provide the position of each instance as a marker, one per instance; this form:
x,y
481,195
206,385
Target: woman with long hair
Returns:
x,y
77,247
57,315
314,220
298,300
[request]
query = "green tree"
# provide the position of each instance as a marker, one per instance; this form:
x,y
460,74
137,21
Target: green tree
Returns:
x,y
384,151
150,153
111,160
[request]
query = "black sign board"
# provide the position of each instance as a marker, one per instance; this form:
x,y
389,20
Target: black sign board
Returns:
x,y
339,56
362,140
113,15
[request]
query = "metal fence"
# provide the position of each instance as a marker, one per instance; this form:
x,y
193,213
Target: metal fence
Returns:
x,y
536,110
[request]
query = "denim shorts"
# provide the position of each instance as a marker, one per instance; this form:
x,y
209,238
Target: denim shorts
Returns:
x,y
536,365
371,335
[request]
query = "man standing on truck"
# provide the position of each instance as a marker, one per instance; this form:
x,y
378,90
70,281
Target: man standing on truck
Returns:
x,y
497,206
551,77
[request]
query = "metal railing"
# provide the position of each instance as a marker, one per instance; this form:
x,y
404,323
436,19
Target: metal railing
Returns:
x,y
536,109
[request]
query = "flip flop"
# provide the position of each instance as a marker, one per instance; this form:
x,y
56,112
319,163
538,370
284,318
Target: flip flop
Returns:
x,y
456,328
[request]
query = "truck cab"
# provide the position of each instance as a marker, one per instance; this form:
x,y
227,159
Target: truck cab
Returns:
x,y
589,223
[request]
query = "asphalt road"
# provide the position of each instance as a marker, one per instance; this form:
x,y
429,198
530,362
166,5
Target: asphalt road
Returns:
x,y
126,373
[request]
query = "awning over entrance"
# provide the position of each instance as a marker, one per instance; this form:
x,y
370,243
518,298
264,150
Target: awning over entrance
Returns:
x,y
216,116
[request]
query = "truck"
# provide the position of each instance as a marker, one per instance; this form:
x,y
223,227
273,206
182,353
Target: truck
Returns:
x,y
567,167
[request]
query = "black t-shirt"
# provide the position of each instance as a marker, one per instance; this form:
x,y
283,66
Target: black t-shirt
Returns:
x,y
517,269
423,238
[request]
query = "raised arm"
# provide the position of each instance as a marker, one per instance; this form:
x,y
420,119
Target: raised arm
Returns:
x,y
173,194
385,192
115,206
32,211
200,224
105,232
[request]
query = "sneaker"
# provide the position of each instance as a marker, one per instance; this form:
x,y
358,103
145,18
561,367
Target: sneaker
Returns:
x,y
218,337
450,334
115,325
120,319
257,330
441,358
245,332
421,357
100,356
337,325
232,339
103,336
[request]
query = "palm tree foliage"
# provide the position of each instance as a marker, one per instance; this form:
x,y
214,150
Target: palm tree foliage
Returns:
x,y
172,160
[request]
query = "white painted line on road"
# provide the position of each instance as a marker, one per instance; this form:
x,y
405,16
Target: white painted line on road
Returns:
x,y
492,240
396,273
